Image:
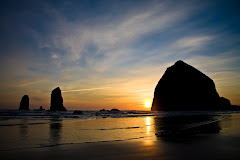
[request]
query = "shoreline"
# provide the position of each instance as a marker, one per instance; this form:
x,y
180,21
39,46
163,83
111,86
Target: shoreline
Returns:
x,y
125,138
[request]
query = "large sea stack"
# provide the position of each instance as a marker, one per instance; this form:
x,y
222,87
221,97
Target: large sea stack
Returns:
x,y
24,104
57,100
183,87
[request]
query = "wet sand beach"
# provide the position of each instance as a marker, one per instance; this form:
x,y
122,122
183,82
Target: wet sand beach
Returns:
x,y
147,137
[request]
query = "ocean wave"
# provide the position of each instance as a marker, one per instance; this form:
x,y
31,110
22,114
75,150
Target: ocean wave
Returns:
x,y
7,115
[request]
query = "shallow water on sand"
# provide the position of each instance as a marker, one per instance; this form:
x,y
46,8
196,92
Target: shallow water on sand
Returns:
x,y
28,130
126,135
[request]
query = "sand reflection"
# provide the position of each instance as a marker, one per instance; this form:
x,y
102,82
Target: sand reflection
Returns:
x,y
148,125
179,128
23,129
55,129
150,134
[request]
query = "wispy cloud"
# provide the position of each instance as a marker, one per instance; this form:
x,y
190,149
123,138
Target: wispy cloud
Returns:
x,y
112,40
54,56
25,83
86,89
194,42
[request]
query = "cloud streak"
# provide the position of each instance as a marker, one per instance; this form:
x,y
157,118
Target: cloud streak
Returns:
x,y
193,43
86,89
113,40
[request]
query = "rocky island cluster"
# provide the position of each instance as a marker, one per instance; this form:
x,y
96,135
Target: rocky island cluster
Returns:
x,y
56,102
183,87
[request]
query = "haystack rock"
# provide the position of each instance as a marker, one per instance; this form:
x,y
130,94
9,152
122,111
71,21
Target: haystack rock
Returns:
x,y
24,104
183,87
57,100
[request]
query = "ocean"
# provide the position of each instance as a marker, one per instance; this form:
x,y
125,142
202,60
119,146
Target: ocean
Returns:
x,y
160,135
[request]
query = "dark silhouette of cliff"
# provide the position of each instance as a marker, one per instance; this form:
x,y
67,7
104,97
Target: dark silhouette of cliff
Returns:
x,y
24,104
183,87
57,100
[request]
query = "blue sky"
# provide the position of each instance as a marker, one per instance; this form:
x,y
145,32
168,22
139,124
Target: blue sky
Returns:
x,y
105,54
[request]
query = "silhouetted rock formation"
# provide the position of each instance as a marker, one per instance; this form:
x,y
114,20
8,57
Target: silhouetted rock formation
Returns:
x,y
24,104
77,112
57,100
115,110
41,108
235,107
225,102
183,87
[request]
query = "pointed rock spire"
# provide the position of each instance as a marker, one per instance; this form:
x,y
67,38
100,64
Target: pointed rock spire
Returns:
x,y
24,104
57,100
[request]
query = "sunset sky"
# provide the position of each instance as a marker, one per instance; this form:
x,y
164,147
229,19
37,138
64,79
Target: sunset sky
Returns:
x,y
111,53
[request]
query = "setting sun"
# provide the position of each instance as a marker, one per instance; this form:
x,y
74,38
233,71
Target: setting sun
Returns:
x,y
147,103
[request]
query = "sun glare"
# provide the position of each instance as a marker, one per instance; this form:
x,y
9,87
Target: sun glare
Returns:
x,y
148,104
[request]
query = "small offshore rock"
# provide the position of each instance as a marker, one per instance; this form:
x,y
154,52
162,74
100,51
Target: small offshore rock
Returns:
x,y
77,112
41,108
114,110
